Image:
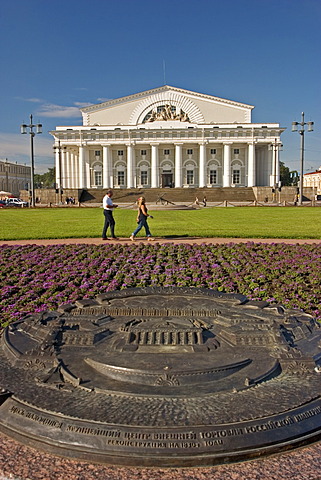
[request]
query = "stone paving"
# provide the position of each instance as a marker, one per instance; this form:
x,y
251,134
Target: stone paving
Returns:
x,y
18,462
179,240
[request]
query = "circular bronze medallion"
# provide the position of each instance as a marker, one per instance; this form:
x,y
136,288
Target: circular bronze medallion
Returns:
x,y
166,377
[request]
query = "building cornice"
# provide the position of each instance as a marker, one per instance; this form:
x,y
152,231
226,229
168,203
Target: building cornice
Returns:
x,y
189,126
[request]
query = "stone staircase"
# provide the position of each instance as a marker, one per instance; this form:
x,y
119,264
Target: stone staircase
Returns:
x,y
172,195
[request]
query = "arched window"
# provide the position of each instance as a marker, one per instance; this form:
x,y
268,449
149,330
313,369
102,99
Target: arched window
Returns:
x,y
237,172
143,169
214,173
97,170
120,174
189,173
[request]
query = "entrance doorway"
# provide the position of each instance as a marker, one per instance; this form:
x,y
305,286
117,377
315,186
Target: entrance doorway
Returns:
x,y
167,180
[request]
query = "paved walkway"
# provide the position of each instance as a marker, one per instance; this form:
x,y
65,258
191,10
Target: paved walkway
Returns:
x,y
178,240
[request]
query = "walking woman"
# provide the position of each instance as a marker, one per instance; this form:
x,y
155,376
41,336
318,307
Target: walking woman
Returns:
x,y
142,220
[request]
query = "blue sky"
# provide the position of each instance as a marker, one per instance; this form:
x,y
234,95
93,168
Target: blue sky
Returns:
x,y
58,56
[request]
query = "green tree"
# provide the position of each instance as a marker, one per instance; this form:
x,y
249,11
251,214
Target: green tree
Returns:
x,y
285,175
46,180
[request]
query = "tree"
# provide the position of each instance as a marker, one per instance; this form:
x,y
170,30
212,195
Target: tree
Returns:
x,y
285,175
46,180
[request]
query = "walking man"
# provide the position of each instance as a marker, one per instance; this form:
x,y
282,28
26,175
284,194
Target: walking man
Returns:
x,y
108,206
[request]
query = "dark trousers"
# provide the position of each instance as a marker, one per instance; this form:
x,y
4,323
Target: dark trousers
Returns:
x,y
109,222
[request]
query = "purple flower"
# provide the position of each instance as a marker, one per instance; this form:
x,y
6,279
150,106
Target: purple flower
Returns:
x,y
36,278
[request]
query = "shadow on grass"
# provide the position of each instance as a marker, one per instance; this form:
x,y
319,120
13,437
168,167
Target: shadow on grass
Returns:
x,y
184,235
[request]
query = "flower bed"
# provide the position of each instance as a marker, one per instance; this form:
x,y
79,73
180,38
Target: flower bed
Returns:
x,y
36,278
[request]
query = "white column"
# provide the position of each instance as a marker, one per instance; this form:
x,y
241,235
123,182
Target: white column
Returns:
x,y
65,160
71,183
202,166
75,158
251,170
277,166
178,165
63,166
275,174
57,167
227,165
154,166
70,170
81,167
88,175
130,166
107,167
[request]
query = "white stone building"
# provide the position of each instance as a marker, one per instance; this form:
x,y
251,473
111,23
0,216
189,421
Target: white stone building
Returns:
x,y
14,177
313,179
167,137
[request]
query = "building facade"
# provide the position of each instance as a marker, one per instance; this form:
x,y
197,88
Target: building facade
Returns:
x,y
313,179
167,137
14,177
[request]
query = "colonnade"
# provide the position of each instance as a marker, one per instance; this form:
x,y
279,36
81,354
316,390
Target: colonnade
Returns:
x,y
74,166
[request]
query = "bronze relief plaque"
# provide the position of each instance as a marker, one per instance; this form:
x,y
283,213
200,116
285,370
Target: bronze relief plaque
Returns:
x,y
166,377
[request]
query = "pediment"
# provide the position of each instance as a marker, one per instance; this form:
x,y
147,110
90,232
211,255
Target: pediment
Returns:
x,y
165,104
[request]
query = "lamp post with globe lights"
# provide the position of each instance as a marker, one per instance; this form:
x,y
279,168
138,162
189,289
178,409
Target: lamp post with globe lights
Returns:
x,y
276,147
59,187
301,132
24,130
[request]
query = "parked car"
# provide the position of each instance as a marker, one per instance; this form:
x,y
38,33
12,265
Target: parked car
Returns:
x,y
16,202
3,203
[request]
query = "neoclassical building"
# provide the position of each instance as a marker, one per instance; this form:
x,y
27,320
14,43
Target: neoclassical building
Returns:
x,y
167,137
14,177
313,179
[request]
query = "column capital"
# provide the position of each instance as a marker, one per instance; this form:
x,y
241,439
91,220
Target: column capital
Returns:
x,y
154,144
228,143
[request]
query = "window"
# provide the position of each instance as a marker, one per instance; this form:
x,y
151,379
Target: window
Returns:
x,y
97,153
120,153
236,176
98,179
143,152
213,151
189,151
166,152
213,177
236,151
143,177
189,177
121,178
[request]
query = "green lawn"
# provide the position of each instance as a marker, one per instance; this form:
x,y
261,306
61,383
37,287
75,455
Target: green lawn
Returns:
x,y
242,222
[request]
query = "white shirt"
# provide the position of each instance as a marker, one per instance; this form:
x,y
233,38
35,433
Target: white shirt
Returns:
x,y
107,203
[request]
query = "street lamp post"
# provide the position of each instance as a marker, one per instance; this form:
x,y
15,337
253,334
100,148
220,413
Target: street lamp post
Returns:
x,y
59,186
301,132
7,176
275,147
24,130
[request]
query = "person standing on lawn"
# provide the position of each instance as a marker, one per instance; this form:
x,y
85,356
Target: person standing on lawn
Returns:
x,y
109,206
142,220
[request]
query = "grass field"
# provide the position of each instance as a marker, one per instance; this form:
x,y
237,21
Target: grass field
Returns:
x,y
240,222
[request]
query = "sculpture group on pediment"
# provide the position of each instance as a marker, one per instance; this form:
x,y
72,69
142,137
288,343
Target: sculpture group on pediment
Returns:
x,y
165,113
